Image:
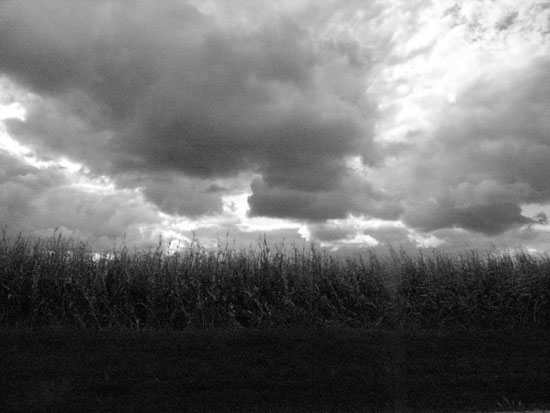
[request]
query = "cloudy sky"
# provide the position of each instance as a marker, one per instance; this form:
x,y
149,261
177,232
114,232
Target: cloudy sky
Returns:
x,y
348,123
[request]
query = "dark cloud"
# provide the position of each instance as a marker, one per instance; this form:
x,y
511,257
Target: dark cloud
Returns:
x,y
163,88
291,203
186,102
67,126
490,156
326,232
177,195
490,219
353,195
540,218
506,21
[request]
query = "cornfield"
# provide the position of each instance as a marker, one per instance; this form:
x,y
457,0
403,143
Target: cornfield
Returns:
x,y
59,282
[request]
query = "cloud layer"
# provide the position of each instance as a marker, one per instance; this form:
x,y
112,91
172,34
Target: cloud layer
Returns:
x,y
489,155
433,118
154,89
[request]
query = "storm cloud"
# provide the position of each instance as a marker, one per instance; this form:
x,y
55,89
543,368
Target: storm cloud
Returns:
x,y
348,123
165,88
489,156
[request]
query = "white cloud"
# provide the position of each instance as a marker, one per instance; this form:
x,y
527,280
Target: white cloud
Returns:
x,y
426,241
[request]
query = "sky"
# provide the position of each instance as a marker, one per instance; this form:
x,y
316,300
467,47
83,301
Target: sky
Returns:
x,y
350,124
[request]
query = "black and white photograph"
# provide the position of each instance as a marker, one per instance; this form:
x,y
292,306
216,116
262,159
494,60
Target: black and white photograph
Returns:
x,y
275,206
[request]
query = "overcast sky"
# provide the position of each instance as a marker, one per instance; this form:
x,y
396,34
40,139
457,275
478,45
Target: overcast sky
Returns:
x,y
348,123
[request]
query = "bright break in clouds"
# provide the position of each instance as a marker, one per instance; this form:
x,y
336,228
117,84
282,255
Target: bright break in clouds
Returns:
x,y
345,122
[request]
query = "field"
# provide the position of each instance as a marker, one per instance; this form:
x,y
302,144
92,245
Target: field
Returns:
x,y
270,328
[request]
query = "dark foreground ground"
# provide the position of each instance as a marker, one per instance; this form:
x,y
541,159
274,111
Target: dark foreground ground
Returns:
x,y
284,370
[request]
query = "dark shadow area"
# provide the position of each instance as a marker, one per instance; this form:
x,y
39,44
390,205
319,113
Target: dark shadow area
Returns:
x,y
321,369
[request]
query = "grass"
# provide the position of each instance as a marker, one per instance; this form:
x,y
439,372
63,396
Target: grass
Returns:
x,y
271,328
